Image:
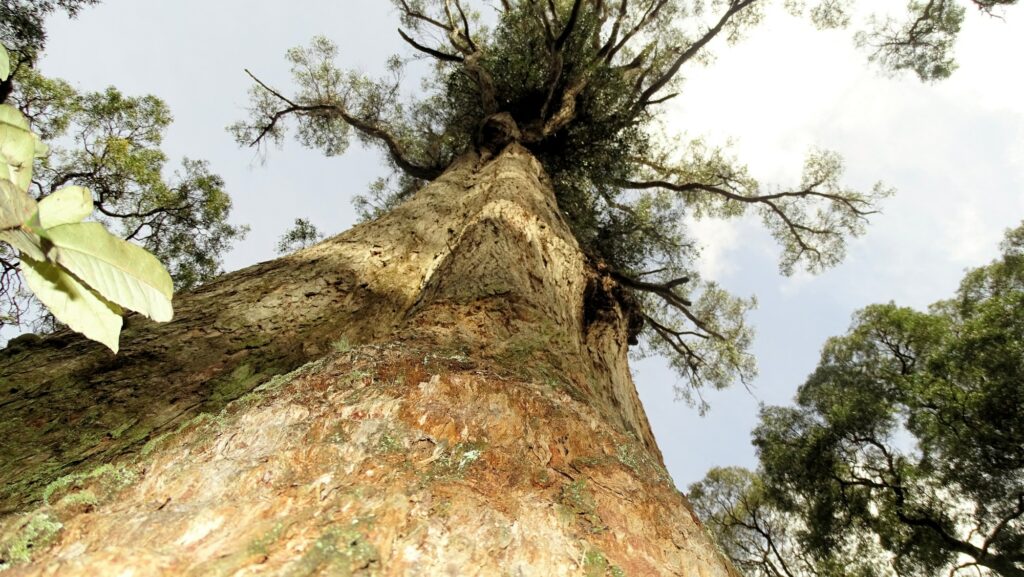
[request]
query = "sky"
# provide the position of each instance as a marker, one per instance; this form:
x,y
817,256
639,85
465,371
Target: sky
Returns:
x,y
954,151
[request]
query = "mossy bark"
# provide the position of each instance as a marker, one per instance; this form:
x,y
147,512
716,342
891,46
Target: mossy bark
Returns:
x,y
463,404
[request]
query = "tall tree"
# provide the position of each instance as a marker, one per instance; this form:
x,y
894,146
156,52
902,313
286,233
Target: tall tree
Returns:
x,y
905,452
443,389
578,84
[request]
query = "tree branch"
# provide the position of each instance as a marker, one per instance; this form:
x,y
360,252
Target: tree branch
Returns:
x,y
442,56
367,128
735,7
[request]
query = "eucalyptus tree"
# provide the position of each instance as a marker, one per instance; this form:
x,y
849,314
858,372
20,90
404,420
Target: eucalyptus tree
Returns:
x,y
444,388
580,86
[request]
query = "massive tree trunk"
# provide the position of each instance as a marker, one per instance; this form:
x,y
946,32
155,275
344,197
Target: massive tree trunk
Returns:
x,y
442,391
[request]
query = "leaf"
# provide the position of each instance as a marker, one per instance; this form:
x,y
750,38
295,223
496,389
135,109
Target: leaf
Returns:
x,y
15,205
120,271
72,302
5,64
66,206
12,116
25,241
17,146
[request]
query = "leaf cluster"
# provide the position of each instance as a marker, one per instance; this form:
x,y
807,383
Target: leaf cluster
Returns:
x,y
110,143
78,270
301,235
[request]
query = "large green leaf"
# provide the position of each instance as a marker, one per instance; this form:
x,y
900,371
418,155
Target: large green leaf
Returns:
x,y
72,302
66,206
15,205
5,64
120,271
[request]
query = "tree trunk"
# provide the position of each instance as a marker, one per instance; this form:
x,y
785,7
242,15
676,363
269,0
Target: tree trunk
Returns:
x,y
442,391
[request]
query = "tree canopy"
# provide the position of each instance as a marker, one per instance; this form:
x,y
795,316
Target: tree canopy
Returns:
x,y
23,31
904,453
579,83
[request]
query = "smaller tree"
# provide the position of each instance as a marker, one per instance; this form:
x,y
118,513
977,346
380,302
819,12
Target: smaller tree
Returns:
x,y
905,447
763,539
303,234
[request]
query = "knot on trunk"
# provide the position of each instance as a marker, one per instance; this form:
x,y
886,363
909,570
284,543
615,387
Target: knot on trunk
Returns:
x,y
604,300
496,132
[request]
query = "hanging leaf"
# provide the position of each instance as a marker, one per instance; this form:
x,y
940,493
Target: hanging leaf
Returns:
x,y
68,205
120,271
15,205
72,302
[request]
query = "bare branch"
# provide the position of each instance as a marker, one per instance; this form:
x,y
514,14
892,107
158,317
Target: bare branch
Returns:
x,y
465,26
443,56
409,12
366,127
735,7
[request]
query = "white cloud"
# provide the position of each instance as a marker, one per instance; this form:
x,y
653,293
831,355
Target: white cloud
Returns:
x,y
718,238
969,240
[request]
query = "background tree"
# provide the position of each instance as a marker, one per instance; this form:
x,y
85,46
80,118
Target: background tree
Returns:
x,y
303,234
905,449
764,540
109,143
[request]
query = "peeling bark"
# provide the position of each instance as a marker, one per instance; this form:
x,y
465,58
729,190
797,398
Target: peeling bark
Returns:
x,y
444,390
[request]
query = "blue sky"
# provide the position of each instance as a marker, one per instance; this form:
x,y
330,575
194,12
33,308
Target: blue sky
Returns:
x,y
954,150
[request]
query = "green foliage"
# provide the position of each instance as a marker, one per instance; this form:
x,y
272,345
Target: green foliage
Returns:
x,y
115,152
905,448
923,44
78,270
303,234
923,41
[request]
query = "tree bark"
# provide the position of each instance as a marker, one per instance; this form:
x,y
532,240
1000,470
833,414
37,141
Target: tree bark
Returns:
x,y
441,391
